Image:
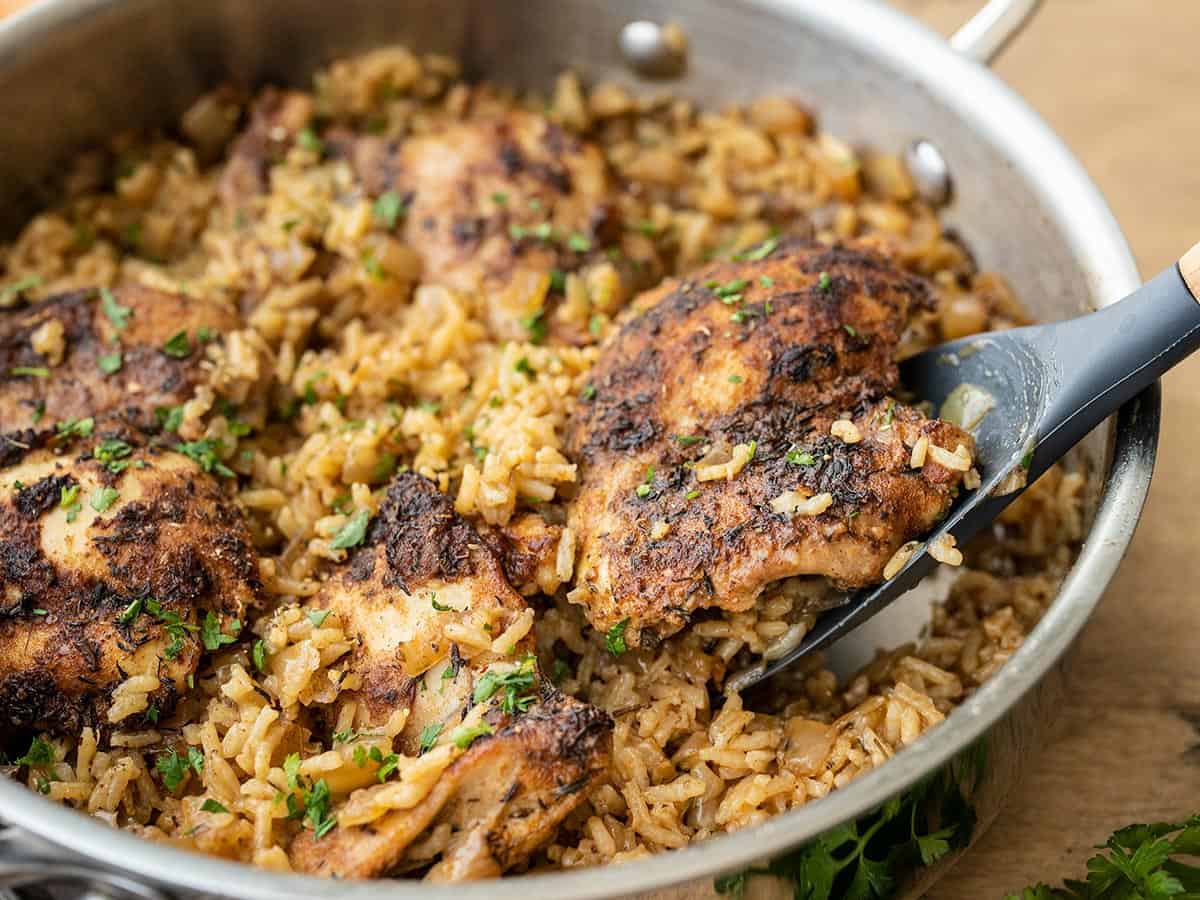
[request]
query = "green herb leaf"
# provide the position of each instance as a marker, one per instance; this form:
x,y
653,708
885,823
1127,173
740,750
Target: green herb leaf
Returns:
x,y
31,371
110,363
211,635
104,498
307,138
588,394
113,454
762,251
735,379
614,640
438,606
258,655
353,532
580,243
536,326
524,367
463,736
388,208
291,769
800,458
204,454
824,282
212,806
317,617
169,417
12,291
687,440
429,736
75,428
117,314
517,686
40,753
178,346
131,612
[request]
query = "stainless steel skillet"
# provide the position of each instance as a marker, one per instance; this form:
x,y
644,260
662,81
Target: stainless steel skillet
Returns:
x,y
72,70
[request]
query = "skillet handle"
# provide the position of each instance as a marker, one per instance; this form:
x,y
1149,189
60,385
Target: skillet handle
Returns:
x,y
990,29
25,863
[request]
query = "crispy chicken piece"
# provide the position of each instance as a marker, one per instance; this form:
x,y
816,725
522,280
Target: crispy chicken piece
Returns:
x,y
54,355
529,548
113,555
416,598
707,464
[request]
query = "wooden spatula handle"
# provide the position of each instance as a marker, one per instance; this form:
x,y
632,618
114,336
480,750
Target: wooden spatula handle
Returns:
x,y
1189,268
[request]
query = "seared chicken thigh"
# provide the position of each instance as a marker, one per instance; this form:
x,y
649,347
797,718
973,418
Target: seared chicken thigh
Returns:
x,y
119,564
94,353
441,635
739,431
500,205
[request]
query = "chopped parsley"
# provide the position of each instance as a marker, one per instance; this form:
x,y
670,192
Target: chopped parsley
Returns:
x,y
316,808
205,335
559,671
596,325
352,533
580,243
103,499
735,379
731,291
173,767
388,208
113,454
68,499
517,686
558,280
762,251
824,282
850,330
131,612
588,394
500,198
204,454
766,281
800,458
691,495
110,363
345,737
389,765
524,367
438,606
464,737
39,410
212,806
11,291
116,313
152,714
429,736
373,267
536,326
169,417
317,617
31,371
75,428
687,439
360,756
614,640
308,139
643,489
258,655
178,346
40,753
211,635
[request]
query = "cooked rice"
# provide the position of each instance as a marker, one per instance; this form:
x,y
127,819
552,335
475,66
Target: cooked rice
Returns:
x,y
391,372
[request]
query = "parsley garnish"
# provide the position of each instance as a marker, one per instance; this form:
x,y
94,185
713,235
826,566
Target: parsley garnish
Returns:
x,y
131,612
68,499
614,640
345,737
353,532
464,737
204,454
524,367
258,655
104,498
762,251
735,379
429,736
536,326
113,455
850,330
169,417
438,606
212,806
110,363
517,686
388,208
800,458
75,428
588,393
308,139
824,282
580,243
691,495
116,313
174,767
499,198
317,617
39,410
31,371
12,291
178,346
41,753
558,280
211,635
687,439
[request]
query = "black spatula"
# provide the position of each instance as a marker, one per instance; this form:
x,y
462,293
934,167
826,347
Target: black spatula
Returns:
x,y
1049,385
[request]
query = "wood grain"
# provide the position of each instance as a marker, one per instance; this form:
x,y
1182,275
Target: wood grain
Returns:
x,y
1118,86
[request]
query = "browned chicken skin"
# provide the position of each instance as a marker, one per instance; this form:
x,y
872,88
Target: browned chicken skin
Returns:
x,y
112,555
493,205
422,572
137,325
764,354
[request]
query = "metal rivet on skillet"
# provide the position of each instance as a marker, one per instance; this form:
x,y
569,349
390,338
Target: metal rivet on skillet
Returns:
x,y
653,50
930,172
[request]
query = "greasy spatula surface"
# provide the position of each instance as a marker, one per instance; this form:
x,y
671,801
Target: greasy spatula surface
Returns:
x,y
1049,385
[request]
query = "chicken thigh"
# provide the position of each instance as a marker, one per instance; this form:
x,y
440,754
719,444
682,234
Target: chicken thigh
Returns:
x,y
738,431
441,635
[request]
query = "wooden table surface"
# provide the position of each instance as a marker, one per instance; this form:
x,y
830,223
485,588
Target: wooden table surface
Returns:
x,y
1117,80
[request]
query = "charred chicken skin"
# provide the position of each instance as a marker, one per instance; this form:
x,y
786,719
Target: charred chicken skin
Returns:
x,y
739,430
416,598
118,560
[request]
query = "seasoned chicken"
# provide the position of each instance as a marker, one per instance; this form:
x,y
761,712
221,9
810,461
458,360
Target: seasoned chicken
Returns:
x,y
502,205
119,562
441,636
123,353
713,454
532,553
